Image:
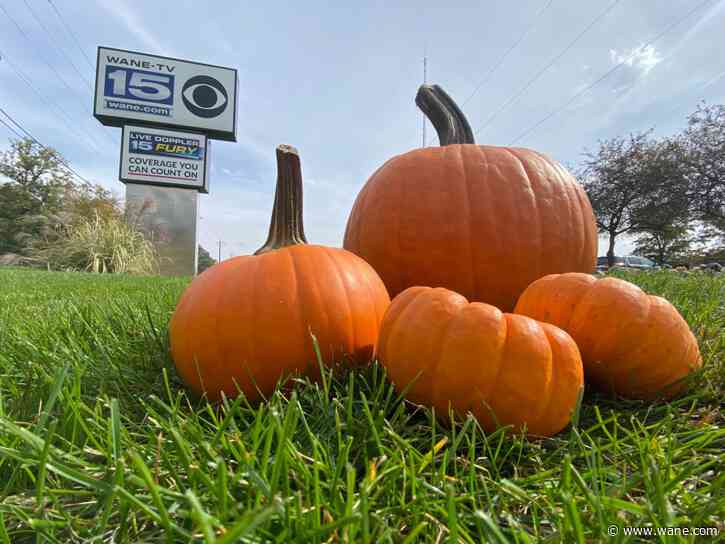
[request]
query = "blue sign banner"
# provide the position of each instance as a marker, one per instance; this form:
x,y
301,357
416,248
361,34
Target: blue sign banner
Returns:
x,y
139,85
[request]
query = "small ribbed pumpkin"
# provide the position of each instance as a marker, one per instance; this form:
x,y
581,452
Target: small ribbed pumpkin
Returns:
x,y
506,369
632,344
246,323
481,220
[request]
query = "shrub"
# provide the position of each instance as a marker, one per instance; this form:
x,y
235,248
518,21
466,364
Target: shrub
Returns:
x,y
101,244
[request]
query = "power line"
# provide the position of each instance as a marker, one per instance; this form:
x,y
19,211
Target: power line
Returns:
x,y
64,117
72,34
59,48
710,83
63,160
84,107
496,66
607,74
6,114
548,65
50,67
11,129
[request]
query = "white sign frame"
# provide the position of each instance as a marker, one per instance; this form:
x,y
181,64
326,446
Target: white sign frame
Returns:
x,y
129,158
139,88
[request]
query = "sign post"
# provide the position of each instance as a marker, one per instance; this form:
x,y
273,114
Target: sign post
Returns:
x,y
169,109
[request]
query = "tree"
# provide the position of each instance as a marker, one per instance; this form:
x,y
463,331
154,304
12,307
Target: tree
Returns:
x,y
205,260
704,139
38,194
661,222
36,181
635,185
665,245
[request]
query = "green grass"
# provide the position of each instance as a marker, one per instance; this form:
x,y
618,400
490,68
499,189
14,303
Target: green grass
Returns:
x,y
99,441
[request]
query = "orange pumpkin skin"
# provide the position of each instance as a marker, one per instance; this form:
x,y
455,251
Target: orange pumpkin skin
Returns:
x,y
506,369
632,344
246,322
483,221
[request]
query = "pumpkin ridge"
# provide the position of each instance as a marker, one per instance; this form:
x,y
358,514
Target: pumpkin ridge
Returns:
x,y
555,377
562,181
488,395
384,336
505,193
364,195
573,222
365,279
539,229
398,233
250,348
220,340
348,304
254,329
467,215
303,317
488,190
581,222
574,309
354,219
673,369
637,363
399,321
433,369
215,334
583,206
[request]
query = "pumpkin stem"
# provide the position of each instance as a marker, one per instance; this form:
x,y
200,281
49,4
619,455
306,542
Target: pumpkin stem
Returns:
x,y
447,118
285,228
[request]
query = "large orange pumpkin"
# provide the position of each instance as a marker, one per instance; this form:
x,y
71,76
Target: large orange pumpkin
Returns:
x,y
632,344
506,369
247,322
483,221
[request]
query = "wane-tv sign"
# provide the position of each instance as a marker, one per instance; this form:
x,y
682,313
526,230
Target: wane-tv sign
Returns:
x,y
165,92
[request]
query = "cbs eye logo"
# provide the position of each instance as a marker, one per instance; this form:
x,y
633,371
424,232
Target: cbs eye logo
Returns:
x,y
204,96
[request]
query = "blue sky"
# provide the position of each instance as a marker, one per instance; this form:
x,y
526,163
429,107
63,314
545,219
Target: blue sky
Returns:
x,y
338,80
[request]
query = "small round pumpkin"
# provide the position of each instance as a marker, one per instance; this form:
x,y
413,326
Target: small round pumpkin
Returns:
x,y
484,221
247,322
632,344
506,369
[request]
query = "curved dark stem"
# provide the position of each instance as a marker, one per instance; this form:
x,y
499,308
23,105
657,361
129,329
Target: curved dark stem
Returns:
x,y
447,118
285,228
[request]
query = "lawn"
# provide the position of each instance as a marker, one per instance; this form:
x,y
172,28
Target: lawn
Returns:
x,y
100,442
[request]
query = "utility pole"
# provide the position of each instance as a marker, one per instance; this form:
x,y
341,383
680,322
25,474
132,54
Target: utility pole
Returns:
x,y
220,252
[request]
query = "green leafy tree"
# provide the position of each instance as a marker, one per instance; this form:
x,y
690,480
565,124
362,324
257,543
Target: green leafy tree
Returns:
x,y
638,186
661,221
38,193
35,182
204,261
665,245
705,142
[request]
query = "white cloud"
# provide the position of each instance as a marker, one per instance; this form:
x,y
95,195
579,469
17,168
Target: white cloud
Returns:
x,y
135,25
643,58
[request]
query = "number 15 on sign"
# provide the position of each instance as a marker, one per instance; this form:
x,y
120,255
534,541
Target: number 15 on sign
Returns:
x,y
139,85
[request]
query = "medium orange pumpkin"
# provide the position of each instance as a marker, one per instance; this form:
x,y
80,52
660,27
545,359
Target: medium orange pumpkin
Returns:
x,y
245,323
632,344
506,369
483,221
